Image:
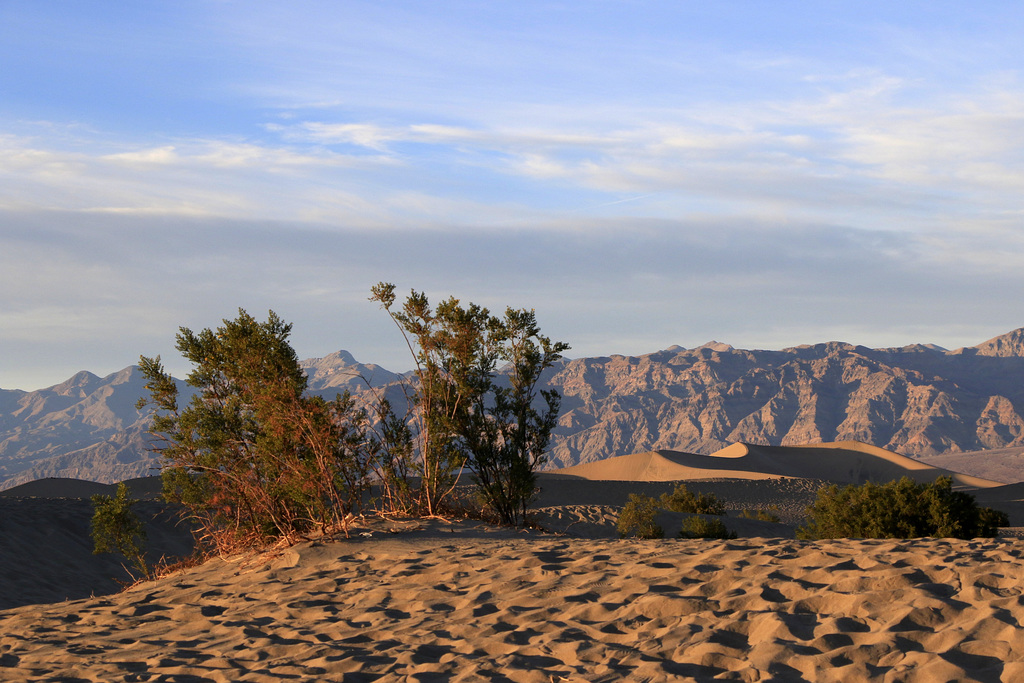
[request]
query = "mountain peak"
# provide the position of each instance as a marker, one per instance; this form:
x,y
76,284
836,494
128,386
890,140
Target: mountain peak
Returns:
x,y
717,346
79,382
340,370
338,358
1009,345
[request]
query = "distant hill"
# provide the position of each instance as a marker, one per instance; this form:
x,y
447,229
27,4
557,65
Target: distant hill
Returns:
x,y
919,400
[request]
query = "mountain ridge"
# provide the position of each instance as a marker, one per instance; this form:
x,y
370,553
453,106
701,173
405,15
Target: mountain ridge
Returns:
x,y
919,400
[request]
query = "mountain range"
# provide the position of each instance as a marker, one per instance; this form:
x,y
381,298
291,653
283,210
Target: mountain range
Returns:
x,y
919,400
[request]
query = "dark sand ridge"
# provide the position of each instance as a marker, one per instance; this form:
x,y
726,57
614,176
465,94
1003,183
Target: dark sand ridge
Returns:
x,y
142,488
760,477
794,472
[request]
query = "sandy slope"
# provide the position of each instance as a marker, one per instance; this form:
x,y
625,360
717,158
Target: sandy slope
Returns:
x,y
45,524
1000,464
847,462
467,603
46,549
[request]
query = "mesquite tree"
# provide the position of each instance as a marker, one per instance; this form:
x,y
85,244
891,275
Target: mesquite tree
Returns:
x,y
251,456
507,434
467,410
116,528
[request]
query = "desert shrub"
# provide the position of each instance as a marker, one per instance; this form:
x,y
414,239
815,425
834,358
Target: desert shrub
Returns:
x,y
990,520
683,500
761,515
478,403
898,509
637,518
116,528
702,527
252,457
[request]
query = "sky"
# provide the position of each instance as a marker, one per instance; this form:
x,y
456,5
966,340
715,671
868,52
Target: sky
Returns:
x,y
641,174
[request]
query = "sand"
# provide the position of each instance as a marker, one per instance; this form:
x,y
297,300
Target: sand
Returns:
x,y
46,549
435,600
469,603
844,462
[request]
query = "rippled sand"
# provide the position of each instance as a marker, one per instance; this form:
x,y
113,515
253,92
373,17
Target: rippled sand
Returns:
x,y
469,602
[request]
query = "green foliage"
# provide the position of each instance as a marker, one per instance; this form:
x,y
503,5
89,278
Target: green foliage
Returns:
x,y
395,460
683,500
990,520
505,433
115,528
702,527
638,515
251,456
467,410
439,399
899,509
637,518
761,515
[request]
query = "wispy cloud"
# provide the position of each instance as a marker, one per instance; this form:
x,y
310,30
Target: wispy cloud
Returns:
x,y
643,173
855,157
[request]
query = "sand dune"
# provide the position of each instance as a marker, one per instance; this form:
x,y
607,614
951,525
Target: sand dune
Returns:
x,y
847,462
1000,464
467,603
430,600
663,466
141,488
46,523
46,549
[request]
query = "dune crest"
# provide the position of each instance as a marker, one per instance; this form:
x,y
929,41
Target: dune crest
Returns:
x,y
845,462
660,466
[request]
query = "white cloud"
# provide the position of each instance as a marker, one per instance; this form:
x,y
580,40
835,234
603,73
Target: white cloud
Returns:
x,y
364,135
195,178
156,156
118,285
858,153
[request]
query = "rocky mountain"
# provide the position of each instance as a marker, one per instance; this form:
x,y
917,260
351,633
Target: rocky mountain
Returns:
x,y
919,400
340,372
88,427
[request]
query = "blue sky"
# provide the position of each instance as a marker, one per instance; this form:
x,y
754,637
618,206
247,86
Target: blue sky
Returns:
x,y
643,174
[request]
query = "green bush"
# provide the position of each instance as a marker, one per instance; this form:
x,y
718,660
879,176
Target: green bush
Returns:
x,y
898,509
702,527
990,521
761,515
115,528
251,456
637,518
478,398
683,500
